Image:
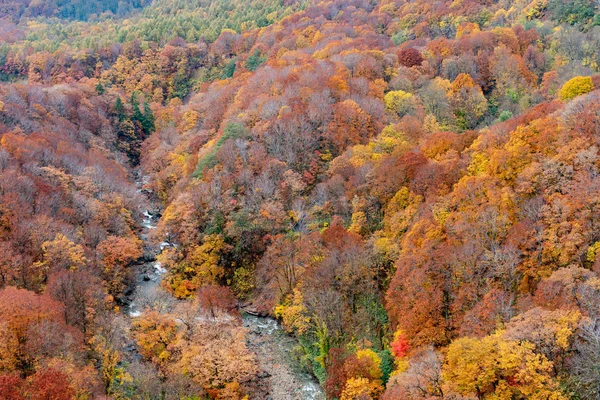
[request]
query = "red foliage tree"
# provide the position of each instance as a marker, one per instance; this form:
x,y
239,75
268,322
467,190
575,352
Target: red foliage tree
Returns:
x,y
400,345
215,299
336,373
50,384
35,328
10,387
410,57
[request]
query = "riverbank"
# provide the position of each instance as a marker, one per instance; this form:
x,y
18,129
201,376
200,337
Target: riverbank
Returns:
x,y
281,373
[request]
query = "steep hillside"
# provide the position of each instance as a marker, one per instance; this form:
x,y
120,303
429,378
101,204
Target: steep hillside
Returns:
x,y
409,187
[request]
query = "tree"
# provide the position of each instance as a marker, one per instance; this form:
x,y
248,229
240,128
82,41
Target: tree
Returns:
x,y
410,57
336,373
365,363
61,254
112,373
201,267
360,389
362,375
254,60
154,335
50,384
293,313
84,299
136,112
493,367
572,288
421,380
120,110
117,253
32,328
399,102
576,87
8,270
148,120
400,345
436,101
584,365
551,332
129,142
350,125
229,69
100,88
11,387
216,354
284,263
468,101
575,12
216,300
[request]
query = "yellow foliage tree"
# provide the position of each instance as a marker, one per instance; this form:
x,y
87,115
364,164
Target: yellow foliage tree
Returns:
x,y
201,267
468,101
113,375
576,87
154,333
294,314
466,28
363,372
535,9
399,102
8,342
399,212
371,360
190,119
496,368
215,355
361,389
60,254
63,253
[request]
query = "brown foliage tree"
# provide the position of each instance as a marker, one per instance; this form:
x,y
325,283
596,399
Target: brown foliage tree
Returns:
x,y
410,57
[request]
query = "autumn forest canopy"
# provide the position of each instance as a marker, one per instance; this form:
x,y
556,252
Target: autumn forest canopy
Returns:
x,y
411,188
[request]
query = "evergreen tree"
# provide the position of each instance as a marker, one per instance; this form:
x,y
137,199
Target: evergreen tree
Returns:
x,y
120,110
254,61
180,84
100,88
229,69
148,121
136,115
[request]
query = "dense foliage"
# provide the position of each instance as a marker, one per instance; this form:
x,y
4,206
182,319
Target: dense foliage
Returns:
x,y
67,9
410,187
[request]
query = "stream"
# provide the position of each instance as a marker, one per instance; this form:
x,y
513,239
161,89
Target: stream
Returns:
x,y
149,273
280,374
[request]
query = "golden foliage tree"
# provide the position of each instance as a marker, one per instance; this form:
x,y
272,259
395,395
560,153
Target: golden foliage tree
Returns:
x,y
495,368
576,87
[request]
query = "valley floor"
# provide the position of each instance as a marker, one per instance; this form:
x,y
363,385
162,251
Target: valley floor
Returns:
x,y
281,373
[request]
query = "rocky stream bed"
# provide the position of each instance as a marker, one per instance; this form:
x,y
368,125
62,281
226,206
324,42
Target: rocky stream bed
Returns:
x,y
280,376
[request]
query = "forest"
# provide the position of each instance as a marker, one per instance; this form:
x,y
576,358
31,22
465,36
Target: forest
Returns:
x,y
409,188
